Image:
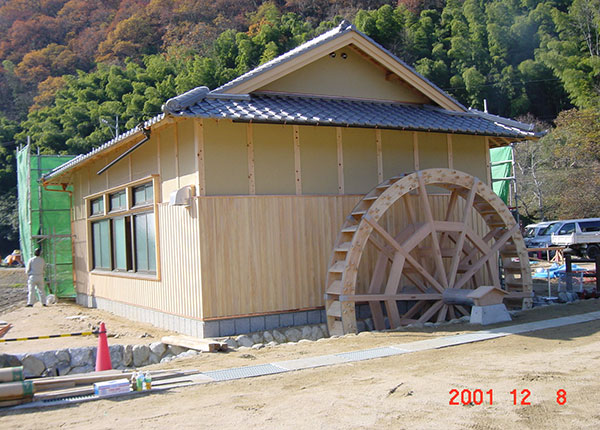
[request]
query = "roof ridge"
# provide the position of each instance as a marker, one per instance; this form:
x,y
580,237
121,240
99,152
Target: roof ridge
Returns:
x,y
343,28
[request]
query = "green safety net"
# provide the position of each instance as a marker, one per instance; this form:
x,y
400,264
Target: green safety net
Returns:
x,y
503,170
45,219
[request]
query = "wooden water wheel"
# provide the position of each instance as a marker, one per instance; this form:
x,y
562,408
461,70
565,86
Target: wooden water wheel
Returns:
x,y
404,253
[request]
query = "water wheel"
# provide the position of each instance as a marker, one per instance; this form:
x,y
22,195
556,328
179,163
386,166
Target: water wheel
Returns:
x,y
406,247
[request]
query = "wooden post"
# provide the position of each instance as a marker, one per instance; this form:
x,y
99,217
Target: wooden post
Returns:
x,y
297,164
340,159
199,144
569,272
176,133
488,163
416,150
450,153
250,146
379,156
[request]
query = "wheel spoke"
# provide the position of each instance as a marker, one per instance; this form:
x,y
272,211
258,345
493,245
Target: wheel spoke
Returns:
x,y
449,210
492,252
461,236
409,259
431,311
437,252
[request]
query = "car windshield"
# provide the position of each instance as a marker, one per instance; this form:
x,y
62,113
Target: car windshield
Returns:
x,y
530,232
552,228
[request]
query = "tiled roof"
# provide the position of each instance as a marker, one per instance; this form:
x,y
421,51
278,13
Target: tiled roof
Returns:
x,y
306,110
80,158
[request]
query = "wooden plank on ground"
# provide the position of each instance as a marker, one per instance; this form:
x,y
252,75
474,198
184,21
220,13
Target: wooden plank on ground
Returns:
x,y
4,329
204,345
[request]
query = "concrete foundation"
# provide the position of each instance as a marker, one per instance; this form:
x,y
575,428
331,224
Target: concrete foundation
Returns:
x,y
200,328
490,314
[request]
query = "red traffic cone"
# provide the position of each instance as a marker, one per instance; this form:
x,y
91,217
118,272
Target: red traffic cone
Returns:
x,y
102,354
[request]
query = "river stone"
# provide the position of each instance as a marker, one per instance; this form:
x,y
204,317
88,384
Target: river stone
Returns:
x,y
324,329
141,353
116,355
316,333
188,353
48,358
244,340
63,366
279,337
128,355
293,334
306,332
7,360
257,338
268,337
153,358
168,357
158,348
176,350
32,366
231,343
82,369
81,356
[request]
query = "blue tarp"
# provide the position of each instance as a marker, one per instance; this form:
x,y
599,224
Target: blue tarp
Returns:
x,y
555,271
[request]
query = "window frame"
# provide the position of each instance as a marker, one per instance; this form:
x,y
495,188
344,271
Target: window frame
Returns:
x,y
127,214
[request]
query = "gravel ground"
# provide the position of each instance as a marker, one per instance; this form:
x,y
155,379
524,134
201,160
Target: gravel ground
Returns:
x,y
13,290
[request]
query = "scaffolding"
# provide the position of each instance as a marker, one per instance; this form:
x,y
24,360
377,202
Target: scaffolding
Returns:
x,y
45,219
504,181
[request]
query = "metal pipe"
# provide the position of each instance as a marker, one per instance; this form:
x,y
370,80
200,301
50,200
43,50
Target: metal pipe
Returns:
x,y
146,132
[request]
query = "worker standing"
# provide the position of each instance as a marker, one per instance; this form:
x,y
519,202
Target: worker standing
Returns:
x,y
35,278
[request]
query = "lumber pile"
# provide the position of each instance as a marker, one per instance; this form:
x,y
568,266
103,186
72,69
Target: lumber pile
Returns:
x,y
15,390
198,344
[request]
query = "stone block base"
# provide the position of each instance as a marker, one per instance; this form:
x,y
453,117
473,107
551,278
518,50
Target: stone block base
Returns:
x,y
490,314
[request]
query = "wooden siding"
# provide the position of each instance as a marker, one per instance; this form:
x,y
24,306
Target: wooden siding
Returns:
x,y
361,79
178,291
267,253
270,253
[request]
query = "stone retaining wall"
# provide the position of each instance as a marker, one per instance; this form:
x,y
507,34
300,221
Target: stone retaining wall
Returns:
x,y
82,360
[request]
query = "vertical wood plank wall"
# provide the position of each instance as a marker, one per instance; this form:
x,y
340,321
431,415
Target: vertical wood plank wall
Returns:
x,y
234,252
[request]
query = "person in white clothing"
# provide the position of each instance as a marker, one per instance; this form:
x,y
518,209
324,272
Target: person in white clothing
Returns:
x,y
35,278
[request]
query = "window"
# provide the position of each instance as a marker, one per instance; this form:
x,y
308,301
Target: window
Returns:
x,y
97,206
118,201
143,195
124,239
567,228
101,244
121,243
145,256
589,226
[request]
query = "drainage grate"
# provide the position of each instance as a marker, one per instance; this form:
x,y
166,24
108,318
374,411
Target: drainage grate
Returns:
x,y
244,372
367,354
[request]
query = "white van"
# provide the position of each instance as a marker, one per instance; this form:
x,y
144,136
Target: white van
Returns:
x,y
533,236
581,235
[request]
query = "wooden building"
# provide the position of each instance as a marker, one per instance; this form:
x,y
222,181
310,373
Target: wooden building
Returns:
x,y
220,215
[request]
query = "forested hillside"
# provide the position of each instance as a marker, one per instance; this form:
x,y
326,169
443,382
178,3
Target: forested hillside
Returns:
x,y
71,69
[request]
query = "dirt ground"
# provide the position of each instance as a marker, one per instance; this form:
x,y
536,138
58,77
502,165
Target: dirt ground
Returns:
x,y
410,391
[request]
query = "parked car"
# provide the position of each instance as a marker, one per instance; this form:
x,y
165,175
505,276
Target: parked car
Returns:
x,y
580,235
533,236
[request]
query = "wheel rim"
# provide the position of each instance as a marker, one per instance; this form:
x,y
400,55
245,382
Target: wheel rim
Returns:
x,y
434,251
